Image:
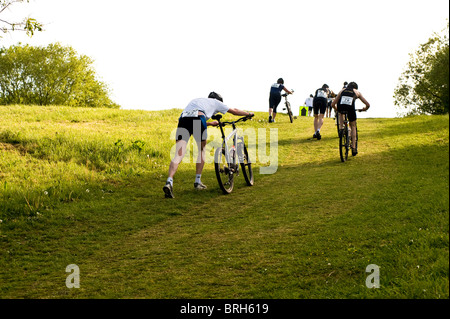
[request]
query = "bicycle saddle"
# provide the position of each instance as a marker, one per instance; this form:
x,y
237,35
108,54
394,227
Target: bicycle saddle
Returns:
x,y
217,117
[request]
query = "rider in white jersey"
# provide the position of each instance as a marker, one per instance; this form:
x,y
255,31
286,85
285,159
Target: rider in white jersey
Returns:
x,y
192,122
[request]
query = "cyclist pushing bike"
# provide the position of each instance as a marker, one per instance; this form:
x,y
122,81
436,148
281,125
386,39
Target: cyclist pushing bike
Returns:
x,y
193,122
345,102
275,98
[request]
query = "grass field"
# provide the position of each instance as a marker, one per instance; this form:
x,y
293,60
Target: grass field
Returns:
x,y
84,186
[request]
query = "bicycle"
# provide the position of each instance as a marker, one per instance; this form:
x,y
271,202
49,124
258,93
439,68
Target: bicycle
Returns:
x,y
288,107
228,158
345,137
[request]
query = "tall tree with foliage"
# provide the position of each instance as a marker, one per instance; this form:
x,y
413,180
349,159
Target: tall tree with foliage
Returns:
x,y
29,25
51,75
424,86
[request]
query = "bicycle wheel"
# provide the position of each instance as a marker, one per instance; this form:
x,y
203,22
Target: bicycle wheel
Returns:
x,y
224,174
246,165
291,117
344,145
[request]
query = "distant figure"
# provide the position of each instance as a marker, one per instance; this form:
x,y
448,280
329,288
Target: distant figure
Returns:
x,y
320,104
331,96
275,98
309,104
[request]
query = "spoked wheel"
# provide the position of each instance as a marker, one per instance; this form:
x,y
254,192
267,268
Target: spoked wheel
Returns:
x,y
344,144
224,174
291,117
246,165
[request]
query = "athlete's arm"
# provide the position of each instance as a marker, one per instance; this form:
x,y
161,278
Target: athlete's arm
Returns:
x,y
335,101
239,112
287,91
212,123
362,98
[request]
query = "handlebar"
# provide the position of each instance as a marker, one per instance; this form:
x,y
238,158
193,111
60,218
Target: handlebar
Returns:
x,y
242,119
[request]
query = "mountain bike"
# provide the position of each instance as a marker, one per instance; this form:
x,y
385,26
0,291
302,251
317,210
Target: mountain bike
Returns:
x,y
345,137
232,154
288,107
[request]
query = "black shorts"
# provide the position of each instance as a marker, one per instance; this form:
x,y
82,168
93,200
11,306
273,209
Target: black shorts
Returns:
x,y
195,126
320,105
350,111
274,101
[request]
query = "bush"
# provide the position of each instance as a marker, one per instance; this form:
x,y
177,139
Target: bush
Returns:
x,y
52,75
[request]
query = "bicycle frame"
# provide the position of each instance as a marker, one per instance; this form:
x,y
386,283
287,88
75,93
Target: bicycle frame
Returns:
x,y
232,136
231,156
288,107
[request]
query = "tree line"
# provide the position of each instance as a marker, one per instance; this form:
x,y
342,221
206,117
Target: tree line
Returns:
x,y
51,75
423,87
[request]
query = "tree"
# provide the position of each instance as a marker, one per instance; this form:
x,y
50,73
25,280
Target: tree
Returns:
x,y
29,25
424,86
52,75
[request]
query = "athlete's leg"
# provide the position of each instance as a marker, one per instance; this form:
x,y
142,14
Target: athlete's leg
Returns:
x,y
320,122
353,126
201,158
181,146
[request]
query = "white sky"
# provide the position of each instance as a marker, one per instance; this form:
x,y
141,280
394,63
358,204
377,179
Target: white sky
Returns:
x,y
161,54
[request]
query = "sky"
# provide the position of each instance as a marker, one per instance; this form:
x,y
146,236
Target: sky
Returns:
x,y
157,55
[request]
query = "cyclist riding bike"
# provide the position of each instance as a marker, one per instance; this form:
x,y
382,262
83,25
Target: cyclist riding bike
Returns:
x,y
345,102
193,122
275,98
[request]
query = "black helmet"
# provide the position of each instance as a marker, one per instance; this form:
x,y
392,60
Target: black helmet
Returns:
x,y
214,95
325,86
280,81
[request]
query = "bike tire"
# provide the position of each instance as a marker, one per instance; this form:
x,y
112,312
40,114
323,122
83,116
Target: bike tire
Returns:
x,y
246,165
344,145
291,117
225,177
337,123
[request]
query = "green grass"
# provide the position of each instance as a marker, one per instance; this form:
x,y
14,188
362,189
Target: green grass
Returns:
x,y
84,186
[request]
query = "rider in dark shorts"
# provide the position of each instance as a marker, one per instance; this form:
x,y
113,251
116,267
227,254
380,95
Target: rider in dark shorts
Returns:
x,y
192,126
193,121
275,98
345,102
320,104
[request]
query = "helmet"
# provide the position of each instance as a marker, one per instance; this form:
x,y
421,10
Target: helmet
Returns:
x,y
214,95
280,81
325,86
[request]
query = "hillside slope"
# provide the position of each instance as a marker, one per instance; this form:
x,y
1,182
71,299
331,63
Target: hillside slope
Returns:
x,y
84,186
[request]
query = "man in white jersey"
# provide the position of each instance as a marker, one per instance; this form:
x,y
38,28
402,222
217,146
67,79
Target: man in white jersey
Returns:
x,y
309,104
193,121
